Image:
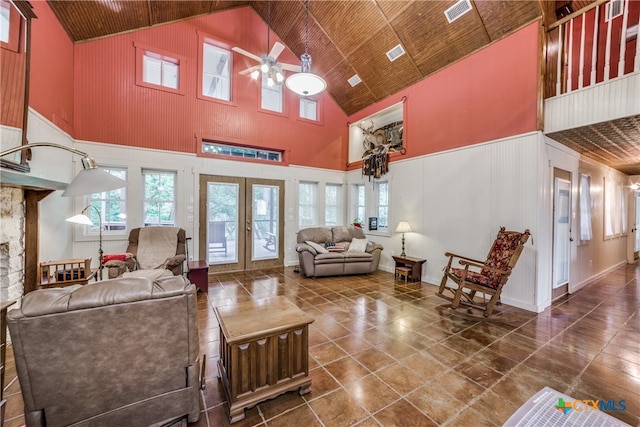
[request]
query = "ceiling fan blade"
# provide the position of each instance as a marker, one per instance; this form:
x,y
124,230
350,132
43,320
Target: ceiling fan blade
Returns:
x,y
276,50
249,70
245,53
291,67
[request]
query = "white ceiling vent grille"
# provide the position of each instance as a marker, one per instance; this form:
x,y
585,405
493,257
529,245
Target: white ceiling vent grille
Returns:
x,y
354,80
457,10
395,53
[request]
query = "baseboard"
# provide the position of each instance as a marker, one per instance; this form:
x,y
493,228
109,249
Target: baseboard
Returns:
x,y
578,286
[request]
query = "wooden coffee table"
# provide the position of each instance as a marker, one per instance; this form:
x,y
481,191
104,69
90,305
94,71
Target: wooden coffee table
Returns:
x,y
264,352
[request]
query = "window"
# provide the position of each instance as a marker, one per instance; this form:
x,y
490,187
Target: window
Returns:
x,y
359,210
271,95
110,205
308,109
586,232
216,72
382,204
239,151
307,204
157,69
615,209
332,204
160,71
5,21
159,206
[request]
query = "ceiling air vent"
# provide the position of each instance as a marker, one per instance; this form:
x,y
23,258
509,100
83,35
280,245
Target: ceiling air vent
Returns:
x,y
354,80
457,10
395,53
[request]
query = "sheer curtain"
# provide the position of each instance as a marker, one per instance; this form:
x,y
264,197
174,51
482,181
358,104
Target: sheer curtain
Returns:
x,y
586,232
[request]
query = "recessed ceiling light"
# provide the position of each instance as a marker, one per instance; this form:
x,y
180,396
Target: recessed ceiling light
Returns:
x,y
395,53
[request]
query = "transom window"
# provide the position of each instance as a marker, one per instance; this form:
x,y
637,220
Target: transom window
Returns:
x,y
159,206
216,72
239,151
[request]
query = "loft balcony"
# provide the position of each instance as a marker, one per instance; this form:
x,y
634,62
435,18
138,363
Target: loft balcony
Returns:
x,y
592,84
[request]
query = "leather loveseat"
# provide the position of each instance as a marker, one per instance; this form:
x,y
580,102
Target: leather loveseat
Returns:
x,y
329,251
121,352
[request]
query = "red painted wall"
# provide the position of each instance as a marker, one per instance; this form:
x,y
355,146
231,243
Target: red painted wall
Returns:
x,y
52,78
111,108
489,95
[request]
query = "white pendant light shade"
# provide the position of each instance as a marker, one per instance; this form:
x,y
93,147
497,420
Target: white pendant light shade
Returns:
x,y
306,84
90,181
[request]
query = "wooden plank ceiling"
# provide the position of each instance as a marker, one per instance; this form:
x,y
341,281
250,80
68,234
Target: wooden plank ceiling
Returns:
x,y
352,37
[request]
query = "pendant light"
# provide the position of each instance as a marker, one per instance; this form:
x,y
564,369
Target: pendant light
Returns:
x,y
305,83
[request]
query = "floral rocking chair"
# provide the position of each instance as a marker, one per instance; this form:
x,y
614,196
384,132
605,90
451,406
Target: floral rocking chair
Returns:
x,y
488,277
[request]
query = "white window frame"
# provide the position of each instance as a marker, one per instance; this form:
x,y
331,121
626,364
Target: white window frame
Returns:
x,y
5,21
381,205
102,202
219,76
333,209
307,206
271,97
146,201
359,202
307,106
169,70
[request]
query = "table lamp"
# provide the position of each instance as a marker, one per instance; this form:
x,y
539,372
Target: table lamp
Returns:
x,y
403,227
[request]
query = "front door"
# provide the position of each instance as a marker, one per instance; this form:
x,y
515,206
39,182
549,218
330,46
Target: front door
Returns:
x,y
241,223
561,232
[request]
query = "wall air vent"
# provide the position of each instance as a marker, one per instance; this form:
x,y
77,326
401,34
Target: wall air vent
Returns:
x,y
395,53
457,10
354,80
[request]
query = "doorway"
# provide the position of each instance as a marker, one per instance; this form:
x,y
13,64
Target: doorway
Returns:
x,y
561,232
241,223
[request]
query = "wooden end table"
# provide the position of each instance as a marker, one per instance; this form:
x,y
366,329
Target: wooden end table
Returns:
x,y
414,264
199,274
264,352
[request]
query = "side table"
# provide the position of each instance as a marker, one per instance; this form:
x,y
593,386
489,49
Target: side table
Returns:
x,y
413,264
264,352
199,274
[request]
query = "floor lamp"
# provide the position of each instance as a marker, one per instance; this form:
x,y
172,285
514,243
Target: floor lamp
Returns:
x,y
83,219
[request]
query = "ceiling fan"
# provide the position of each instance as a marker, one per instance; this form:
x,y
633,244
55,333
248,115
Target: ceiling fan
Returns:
x,y
268,64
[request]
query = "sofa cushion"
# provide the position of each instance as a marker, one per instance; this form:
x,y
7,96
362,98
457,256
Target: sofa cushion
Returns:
x,y
345,234
329,258
318,247
357,257
315,234
358,245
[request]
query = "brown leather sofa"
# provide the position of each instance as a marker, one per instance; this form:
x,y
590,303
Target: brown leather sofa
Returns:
x,y
121,352
316,263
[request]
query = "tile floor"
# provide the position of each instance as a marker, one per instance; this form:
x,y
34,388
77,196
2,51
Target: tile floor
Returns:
x,y
387,353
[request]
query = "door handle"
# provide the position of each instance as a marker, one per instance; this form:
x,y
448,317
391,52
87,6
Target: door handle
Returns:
x,y
571,239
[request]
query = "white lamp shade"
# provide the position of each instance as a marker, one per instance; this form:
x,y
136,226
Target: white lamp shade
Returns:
x,y
80,219
403,227
91,181
306,84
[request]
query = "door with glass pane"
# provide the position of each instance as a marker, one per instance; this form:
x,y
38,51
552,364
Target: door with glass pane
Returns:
x,y
561,232
240,223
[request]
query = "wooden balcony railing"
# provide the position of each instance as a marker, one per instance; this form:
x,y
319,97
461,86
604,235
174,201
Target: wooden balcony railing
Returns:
x,y
591,47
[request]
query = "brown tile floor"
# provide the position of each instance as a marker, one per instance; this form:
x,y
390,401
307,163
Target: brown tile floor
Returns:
x,y
387,353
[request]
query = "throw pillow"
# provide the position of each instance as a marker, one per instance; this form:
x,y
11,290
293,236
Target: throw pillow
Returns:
x,y
335,249
319,248
358,245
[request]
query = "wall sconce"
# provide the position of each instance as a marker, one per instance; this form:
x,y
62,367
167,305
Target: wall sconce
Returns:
x,y
403,227
88,181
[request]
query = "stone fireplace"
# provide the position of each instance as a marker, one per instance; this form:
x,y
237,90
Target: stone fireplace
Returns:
x,y
12,222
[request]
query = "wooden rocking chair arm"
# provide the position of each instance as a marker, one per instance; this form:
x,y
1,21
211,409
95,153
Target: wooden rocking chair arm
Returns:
x,y
486,267
471,263
452,255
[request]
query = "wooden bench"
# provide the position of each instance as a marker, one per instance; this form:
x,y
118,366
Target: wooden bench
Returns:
x,y
55,274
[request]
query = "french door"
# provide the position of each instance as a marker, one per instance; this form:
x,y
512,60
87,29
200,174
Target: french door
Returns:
x,y
241,223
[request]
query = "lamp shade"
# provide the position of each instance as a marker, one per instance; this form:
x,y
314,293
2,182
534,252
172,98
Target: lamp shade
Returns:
x,y
403,227
80,219
90,181
306,84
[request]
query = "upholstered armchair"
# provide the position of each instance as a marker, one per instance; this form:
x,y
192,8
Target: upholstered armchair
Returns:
x,y
121,352
153,250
